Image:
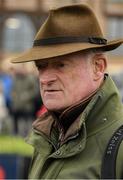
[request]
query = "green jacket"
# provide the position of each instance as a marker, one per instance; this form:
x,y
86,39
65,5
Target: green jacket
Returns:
x,y
80,154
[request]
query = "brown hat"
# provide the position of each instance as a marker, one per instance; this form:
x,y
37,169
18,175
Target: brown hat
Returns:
x,y
67,29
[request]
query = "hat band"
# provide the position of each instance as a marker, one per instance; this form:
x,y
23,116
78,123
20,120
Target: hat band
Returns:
x,y
69,39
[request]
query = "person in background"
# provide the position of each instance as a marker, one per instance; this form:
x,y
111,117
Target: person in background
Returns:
x,y
5,120
23,96
6,83
6,79
83,106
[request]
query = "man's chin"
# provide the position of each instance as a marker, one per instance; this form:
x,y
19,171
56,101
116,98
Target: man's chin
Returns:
x,y
51,107
55,109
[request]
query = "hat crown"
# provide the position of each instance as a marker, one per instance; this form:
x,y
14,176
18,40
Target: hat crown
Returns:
x,y
74,20
68,30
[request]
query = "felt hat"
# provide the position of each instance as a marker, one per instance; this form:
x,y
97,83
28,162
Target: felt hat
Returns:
x,y
67,29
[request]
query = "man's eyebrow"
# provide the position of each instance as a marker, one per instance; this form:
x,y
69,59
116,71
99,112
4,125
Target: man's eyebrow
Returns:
x,y
40,63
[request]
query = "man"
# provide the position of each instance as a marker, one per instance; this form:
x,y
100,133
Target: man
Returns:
x,y
83,105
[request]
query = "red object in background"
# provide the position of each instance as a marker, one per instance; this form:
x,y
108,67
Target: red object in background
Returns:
x,y
2,173
41,111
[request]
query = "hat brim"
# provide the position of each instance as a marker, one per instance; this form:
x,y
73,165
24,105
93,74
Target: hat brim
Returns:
x,y
50,51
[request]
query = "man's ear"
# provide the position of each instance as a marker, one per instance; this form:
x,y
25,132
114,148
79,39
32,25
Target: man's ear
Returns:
x,y
99,66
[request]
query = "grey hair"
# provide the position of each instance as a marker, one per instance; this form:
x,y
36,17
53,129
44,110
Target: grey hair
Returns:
x,y
93,52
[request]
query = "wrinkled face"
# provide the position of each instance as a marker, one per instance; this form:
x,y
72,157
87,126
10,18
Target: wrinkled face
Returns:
x,y
65,80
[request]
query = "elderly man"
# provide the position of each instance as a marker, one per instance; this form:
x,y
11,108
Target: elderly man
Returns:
x,y
83,105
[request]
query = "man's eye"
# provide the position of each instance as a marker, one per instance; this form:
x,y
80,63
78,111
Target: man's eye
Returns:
x,y
40,67
60,65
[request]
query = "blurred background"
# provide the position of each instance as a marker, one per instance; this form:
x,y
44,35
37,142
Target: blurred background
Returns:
x,y
20,101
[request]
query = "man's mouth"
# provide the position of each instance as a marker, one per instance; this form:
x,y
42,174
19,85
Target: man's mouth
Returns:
x,y
51,90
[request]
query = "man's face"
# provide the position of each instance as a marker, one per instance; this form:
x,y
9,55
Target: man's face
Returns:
x,y
65,81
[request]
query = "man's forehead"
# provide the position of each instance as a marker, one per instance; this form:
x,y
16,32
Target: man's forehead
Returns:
x,y
67,57
54,60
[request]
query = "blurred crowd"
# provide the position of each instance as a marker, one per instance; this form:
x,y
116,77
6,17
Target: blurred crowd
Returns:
x,y
117,77
20,99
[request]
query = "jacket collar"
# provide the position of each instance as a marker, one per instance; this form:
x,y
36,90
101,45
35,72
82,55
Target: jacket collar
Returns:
x,y
68,121
104,108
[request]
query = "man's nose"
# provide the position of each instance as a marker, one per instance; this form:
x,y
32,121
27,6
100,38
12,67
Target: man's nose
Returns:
x,y
48,77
